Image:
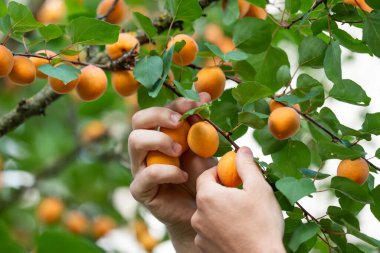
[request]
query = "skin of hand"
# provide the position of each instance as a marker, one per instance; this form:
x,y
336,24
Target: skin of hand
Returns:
x,y
166,190
231,220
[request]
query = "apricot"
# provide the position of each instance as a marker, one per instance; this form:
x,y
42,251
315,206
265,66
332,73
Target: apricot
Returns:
x,y
124,44
211,80
273,105
39,61
257,12
52,11
58,86
360,3
156,157
283,123
213,33
356,170
92,83
23,71
179,135
188,53
117,15
76,222
203,139
50,210
226,45
102,226
148,242
243,6
6,61
227,171
93,131
124,83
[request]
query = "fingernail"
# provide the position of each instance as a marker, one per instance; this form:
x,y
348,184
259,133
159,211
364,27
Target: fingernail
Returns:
x,y
177,148
246,151
175,118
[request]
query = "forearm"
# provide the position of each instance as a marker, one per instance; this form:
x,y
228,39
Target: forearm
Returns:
x,y
183,240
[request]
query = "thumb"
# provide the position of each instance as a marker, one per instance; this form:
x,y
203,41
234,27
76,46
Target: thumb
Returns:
x,y
248,170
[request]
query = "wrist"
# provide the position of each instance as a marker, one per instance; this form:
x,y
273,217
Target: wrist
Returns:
x,y
182,238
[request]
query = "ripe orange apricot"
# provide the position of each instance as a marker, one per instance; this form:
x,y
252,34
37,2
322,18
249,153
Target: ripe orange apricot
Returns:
x,y
283,123
50,210
92,83
179,135
273,105
211,80
6,61
356,170
227,171
124,83
58,86
243,6
203,139
188,53
23,71
93,131
117,15
124,44
257,12
226,45
360,3
213,33
39,61
52,11
102,225
76,222
156,157
148,242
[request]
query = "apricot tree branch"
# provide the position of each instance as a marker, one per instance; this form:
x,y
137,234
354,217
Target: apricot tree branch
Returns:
x,y
312,8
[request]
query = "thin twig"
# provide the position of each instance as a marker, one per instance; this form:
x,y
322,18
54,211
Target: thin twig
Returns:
x,y
313,7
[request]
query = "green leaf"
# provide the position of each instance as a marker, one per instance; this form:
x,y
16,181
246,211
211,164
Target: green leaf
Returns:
x,y
346,40
268,144
145,24
371,123
22,18
203,110
338,215
148,71
351,189
252,119
373,3
314,174
377,154
375,206
329,150
63,72
245,70
91,31
231,13
185,10
190,94
3,9
350,92
365,238
261,3
252,35
50,32
371,32
306,85
230,56
7,243
283,75
292,5
312,52
294,189
249,92
346,13
301,234
332,63
292,100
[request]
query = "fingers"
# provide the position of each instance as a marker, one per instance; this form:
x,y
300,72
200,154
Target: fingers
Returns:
x,y
182,105
140,142
154,117
248,170
145,184
207,178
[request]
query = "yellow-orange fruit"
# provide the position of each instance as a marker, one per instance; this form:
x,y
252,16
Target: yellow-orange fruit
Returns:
x,y
76,222
213,33
52,11
93,131
227,171
179,135
203,139
148,242
356,170
211,80
171,78
58,86
256,12
23,71
50,210
283,123
156,157
102,225
188,53
273,105
116,16
124,83
226,45
140,228
360,3
243,6
92,83
124,44
6,61
39,61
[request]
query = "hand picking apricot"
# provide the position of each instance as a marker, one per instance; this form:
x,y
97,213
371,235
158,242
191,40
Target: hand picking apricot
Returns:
x,y
102,225
227,171
156,157
58,86
273,105
124,83
211,80
283,123
23,71
50,210
76,222
188,53
360,3
124,44
203,139
179,135
6,61
116,16
356,170
39,61
92,83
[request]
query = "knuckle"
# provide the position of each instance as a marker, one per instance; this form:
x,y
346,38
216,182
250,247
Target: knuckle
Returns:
x,y
195,222
204,198
151,173
136,118
133,189
132,139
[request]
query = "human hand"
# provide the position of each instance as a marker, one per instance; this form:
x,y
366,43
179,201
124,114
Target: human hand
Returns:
x,y
230,220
